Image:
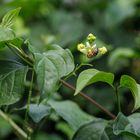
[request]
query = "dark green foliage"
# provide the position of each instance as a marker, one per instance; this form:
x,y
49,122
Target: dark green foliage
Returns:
x,y
32,67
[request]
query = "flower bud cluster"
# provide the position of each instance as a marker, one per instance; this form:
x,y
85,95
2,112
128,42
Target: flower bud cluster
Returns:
x,y
90,49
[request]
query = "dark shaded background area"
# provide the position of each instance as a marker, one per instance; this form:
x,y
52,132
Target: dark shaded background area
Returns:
x,y
116,24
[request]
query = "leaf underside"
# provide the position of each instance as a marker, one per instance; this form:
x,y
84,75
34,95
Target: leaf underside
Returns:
x,y
12,76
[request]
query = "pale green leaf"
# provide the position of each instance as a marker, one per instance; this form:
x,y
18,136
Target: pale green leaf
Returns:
x,y
71,113
38,112
131,84
91,76
9,19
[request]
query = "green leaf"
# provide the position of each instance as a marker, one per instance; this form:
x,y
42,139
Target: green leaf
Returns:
x,y
9,19
109,132
71,113
50,67
47,75
92,131
62,59
131,84
12,75
134,119
2,45
127,127
17,42
6,34
38,112
118,59
122,128
91,76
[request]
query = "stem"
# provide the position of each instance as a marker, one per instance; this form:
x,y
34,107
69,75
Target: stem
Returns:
x,y
20,54
90,99
29,96
18,130
75,70
118,99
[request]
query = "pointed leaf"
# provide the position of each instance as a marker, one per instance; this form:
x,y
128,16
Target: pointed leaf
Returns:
x,y
9,19
47,75
51,66
131,84
71,113
12,76
91,76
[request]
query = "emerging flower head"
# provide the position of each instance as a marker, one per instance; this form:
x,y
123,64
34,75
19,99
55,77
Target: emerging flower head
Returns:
x,y
91,38
90,49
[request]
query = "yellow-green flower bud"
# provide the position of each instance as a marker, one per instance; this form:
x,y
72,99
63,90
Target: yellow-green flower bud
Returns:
x,y
80,46
102,50
91,38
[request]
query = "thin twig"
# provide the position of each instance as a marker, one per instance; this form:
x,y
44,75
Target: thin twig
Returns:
x,y
90,99
18,130
118,99
29,96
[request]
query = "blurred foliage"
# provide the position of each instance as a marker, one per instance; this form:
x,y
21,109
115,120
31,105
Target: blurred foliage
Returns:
x,y
66,23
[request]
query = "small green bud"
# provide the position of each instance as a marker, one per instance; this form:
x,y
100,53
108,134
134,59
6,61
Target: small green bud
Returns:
x,y
102,50
91,38
80,46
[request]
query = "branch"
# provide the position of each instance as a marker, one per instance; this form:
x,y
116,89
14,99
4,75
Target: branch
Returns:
x,y
18,130
90,99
